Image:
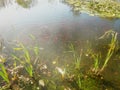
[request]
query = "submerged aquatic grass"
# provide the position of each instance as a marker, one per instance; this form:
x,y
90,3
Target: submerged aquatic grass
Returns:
x,y
26,60
77,57
3,72
76,74
112,47
97,57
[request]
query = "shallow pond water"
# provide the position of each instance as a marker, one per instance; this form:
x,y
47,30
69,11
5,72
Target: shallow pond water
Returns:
x,y
53,24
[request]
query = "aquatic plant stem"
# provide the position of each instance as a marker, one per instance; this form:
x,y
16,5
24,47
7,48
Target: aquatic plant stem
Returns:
x,y
111,50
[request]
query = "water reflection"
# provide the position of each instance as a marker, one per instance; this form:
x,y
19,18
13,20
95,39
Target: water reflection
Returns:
x,y
117,25
4,3
26,3
22,3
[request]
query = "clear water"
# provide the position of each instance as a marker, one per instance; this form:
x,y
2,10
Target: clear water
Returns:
x,y
53,24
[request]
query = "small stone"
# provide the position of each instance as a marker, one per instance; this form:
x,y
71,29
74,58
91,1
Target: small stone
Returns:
x,y
38,88
41,82
54,62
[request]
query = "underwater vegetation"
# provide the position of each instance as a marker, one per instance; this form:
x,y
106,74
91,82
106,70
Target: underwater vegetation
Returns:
x,y
102,8
28,69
